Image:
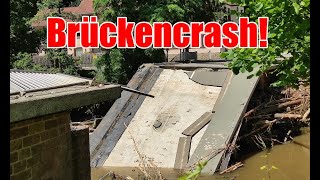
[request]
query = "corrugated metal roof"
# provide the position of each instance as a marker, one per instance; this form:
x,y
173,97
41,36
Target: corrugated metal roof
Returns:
x,y
35,81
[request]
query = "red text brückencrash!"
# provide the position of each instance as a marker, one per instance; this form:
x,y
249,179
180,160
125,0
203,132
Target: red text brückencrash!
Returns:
x,y
143,35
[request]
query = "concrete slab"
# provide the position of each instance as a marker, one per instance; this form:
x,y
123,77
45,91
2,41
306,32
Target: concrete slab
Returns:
x,y
109,131
198,124
225,121
177,104
182,156
209,78
107,121
195,140
36,104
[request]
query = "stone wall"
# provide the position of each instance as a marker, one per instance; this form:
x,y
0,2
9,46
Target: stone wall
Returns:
x,y
41,148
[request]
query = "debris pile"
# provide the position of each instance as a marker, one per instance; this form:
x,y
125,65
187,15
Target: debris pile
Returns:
x,y
274,116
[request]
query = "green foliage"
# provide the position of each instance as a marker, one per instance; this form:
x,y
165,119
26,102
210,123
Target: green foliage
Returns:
x,y
23,61
23,38
73,3
289,32
193,175
38,67
153,10
50,4
118,65
150,11
61,60
51,8
110,67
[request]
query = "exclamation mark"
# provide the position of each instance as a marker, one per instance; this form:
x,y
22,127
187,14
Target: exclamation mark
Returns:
x,y
263,32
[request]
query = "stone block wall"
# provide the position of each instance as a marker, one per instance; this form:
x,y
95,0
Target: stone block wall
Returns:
x,y
41,148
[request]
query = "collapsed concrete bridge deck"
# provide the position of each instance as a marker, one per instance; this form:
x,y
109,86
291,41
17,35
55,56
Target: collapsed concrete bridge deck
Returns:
x,y
196,110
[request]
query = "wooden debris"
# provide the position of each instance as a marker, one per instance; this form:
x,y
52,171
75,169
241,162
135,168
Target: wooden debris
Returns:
x,y
252,111
226,158
272,107
253,132
281,106
306,114
290,116
264,116
290,103
232,168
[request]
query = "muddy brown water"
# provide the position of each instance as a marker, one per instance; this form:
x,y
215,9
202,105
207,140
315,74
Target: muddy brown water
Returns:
x,y
289,161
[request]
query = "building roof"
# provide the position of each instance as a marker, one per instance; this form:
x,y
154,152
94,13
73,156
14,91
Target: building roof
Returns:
x,y
34,94
43,23
26,81
84,8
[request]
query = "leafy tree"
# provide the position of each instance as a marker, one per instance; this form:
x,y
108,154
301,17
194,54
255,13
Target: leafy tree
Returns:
x,y
59,57
23,38
153,10
66,63
150,11
289,32
110,67
23,61
71,3
118,65
51,8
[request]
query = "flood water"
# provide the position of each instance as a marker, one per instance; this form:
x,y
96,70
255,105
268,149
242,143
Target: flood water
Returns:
x,y
289,161
284,162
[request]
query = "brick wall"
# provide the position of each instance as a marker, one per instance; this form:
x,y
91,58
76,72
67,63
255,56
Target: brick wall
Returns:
x,y
40,148
80,152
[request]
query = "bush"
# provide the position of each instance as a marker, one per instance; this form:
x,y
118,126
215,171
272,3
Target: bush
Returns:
x,y
23,61
289,32
118,65
110,67
62,61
